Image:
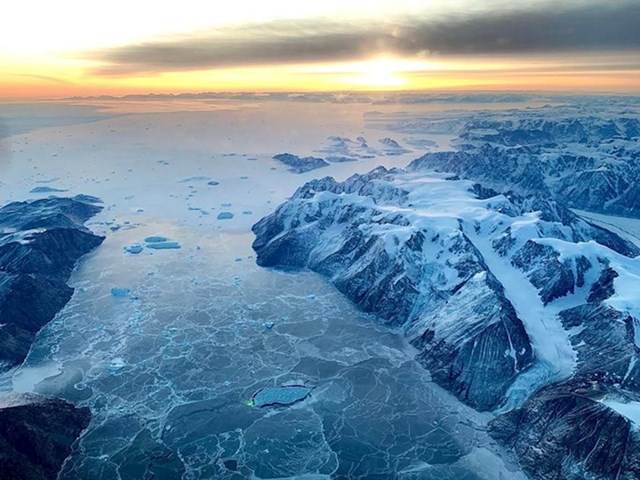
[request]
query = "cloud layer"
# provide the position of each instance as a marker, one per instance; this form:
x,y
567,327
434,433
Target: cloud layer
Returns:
x,y
577,27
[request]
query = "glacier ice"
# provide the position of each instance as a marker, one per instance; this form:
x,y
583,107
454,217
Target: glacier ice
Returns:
x,y
508,297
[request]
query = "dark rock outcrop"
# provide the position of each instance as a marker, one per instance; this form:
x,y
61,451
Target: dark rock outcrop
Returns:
x,y
329,228
37,435
40,243
566,432
587,162
496,290
605,344
298,164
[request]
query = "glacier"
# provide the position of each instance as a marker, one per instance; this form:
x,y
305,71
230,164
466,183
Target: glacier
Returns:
x,y
514,303
588,161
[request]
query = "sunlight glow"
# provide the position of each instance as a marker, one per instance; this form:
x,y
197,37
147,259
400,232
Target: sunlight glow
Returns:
x,y
48,49
382,73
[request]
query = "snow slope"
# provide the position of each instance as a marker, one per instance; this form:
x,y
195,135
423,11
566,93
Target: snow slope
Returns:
x,y
514,303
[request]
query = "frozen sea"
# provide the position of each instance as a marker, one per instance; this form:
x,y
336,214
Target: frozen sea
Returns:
x,y
169,346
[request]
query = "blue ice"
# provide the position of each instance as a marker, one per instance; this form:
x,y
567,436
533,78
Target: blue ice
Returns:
x,y
155,239
166,245
134,249
120,292
46,190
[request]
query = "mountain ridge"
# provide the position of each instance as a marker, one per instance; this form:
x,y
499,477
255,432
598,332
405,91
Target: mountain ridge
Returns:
x,y
488,286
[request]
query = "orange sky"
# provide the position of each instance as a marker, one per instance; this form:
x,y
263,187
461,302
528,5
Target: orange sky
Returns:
x,y
249,45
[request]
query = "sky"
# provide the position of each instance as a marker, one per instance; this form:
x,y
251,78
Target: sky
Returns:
x,y
76,47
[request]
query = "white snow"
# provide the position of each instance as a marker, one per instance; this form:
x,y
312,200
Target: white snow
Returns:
x,y
27,377
628,409
158,165
627,228
23,237
434,197
627,294
441,206
549,340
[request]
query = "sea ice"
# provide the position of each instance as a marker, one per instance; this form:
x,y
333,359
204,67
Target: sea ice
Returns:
x,y
117,364
198,178
166,245
283,396
120,292
134,249
46,190
155,239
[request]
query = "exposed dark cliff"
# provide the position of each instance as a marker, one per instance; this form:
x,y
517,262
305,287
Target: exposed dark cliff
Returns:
x,y
37,435
40,243
501,294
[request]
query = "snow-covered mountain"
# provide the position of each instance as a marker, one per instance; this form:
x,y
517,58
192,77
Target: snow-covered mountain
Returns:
x,y
587,161
515,304
40,243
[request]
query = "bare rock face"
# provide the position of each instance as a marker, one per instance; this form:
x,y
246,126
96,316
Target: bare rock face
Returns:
x,y
40,243
514,303
298,164
587,162
326,228
36,435
566,432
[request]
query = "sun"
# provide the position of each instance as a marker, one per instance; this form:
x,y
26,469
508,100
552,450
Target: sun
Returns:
x,y
380,73
385,73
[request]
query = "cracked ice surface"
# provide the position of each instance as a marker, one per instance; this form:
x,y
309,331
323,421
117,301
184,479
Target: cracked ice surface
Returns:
x,y
170,370
284,395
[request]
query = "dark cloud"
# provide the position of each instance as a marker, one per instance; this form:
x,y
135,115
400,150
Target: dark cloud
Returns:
x,y
577,27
